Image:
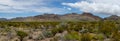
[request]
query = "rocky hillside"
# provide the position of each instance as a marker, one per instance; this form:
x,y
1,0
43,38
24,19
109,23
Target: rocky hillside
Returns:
x,y
54,17
113,18
85,16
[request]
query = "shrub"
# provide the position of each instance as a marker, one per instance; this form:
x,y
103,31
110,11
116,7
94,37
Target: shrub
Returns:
x,y
47,34
116,36
86,37
99,37
73,36
21,34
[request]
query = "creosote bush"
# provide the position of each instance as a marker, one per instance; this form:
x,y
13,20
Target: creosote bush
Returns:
x,y
21,34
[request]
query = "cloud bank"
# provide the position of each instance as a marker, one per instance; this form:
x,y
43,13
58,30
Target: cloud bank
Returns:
x,y
20,6
111,7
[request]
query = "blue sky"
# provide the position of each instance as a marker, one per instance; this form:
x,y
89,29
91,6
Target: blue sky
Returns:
x,y
24,8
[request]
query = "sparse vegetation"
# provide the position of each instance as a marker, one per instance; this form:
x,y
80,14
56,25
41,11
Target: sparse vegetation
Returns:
x,y
77,31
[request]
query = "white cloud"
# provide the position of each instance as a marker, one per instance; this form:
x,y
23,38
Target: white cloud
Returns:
x,y
49,10
97,6
19,6
67,8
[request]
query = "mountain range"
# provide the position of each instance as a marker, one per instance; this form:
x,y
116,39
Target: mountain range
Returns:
x,y
85,16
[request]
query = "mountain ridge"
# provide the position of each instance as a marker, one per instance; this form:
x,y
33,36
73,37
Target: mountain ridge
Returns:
x,y
85,16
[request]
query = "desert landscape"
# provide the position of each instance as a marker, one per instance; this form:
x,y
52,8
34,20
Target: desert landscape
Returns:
x,y
51,27
59,20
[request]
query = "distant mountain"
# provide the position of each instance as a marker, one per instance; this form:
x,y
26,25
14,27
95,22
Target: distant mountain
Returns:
x,y
80,17
54,17
3,19
47,17
85,16
113,18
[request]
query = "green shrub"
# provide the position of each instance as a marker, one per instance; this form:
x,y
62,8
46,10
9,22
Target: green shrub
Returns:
x,y
47,34
73,36
86,37
99,37
21,34
116,36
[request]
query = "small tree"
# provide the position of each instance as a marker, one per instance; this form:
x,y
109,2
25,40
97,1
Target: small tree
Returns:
x,y
21,34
